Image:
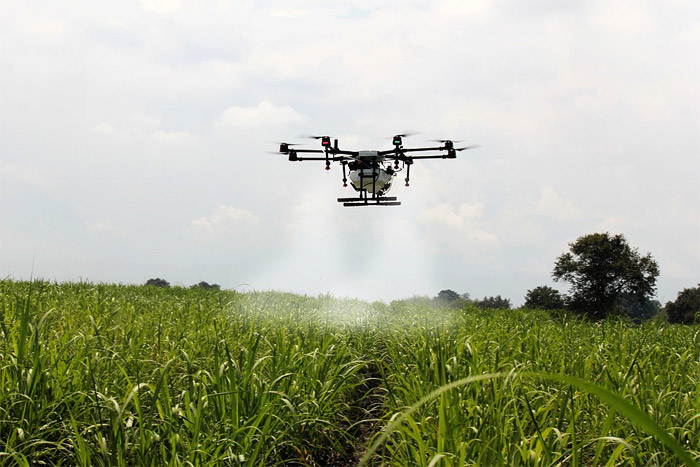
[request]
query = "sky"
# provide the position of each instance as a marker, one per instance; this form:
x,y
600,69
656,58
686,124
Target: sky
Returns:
x,y
135,141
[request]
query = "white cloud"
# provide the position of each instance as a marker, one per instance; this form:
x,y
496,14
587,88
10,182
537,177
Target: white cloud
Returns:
x,y
452,216
161,6
141,126
455,228
226,222
30,174
553,205
173,137
689,36
135,126
459,9
224,217
145,122
613,224
105,226
288,13
625,17
48,27
262,115
105,129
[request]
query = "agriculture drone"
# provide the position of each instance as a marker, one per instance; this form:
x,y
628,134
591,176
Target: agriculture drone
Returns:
x,y
371,172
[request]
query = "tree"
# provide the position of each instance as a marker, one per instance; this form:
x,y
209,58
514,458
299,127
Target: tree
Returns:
x,y
447,295
493,303
158,282
600,268
686,308
451,298
206,285
631,306
544,298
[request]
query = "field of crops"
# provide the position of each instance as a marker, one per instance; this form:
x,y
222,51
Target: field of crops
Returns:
x,y
124,375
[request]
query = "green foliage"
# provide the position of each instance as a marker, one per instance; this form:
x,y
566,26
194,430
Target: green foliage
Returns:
x,y
207,286
686,308
600,268
636,309
451,299
158,282
544,298
123,375
496,302
447,295
615,401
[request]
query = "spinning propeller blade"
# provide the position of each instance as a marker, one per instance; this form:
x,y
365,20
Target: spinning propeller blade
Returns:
x,y
314,136
325,140
468,147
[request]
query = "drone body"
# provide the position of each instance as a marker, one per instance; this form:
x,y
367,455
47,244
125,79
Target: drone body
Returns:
x,y
371,172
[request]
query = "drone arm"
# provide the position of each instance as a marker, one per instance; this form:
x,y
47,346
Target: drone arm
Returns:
x,y
443,156
330,159
307,151
451,152
347,153
440,148
399,154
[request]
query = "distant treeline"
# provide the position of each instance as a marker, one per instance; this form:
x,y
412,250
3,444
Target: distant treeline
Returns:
x,y
158,282
606,277
685,309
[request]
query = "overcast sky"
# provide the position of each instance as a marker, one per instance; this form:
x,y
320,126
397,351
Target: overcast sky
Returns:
x,y
133,139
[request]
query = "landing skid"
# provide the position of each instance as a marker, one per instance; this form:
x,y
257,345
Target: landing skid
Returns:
x,y
380,201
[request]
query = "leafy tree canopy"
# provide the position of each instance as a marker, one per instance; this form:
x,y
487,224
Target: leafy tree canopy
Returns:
x,y
158,282
496,302
447,295
544,298
639,310
600,268
686,308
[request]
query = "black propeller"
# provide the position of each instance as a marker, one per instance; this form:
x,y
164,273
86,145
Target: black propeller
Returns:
x,y
325,140
449,144
468,147
314,136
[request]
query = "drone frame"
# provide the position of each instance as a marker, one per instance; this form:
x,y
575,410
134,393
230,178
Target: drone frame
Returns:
x,y
332,153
